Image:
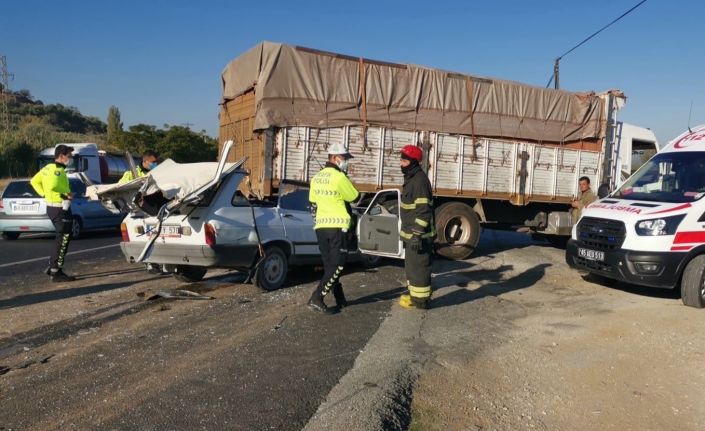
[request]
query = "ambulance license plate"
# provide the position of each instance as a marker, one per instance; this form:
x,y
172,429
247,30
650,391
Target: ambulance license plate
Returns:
x,y
591,254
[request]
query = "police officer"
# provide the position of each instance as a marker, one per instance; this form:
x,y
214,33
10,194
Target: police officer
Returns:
x,y
330,195
52,184
417,228
149,162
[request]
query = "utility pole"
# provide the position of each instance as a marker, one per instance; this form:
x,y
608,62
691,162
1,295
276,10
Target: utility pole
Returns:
x,y
5,95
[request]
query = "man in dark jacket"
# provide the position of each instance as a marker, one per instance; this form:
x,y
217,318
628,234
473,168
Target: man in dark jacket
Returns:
x,y
417,228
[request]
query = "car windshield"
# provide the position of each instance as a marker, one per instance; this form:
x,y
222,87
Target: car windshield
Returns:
x,y
19,189
668,177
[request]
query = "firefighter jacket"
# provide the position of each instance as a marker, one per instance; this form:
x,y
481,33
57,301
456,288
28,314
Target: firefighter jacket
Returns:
x,y
330,191
51,183
127,176
416,210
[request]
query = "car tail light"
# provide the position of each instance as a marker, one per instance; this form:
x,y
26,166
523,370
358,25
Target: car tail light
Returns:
x,y
123,231
210,234
2,205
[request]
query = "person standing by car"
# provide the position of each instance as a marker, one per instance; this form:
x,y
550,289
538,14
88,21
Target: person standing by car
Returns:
x,y
149,162
417,228
52,184
330,196
586,198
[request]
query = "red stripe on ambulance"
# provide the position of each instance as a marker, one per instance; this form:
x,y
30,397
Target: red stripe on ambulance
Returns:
x,y
681,247
679,207
689,237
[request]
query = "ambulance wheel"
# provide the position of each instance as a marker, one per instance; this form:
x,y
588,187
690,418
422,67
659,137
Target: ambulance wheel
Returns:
x,y
10,236
693,283
190,274
271,271
457,230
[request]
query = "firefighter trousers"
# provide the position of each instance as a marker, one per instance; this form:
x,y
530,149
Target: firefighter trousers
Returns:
x,y
417,266
63,222
332,243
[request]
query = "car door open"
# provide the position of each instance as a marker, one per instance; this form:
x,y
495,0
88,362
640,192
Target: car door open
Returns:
x,y
378,229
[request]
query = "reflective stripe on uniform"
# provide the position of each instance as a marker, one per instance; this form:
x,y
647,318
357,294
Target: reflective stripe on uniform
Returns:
x,y
420,222
419,201
420,292
408,235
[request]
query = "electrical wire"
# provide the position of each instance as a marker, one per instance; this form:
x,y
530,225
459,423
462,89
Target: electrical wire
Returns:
x,y
593,35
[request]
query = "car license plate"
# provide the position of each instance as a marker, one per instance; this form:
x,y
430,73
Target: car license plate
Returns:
x,y
591,254
25,208
171,231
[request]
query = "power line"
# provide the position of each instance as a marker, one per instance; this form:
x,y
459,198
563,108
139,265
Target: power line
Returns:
x,y
558,59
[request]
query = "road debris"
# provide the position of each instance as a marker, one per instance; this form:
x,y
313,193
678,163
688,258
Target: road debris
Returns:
x,y
179,294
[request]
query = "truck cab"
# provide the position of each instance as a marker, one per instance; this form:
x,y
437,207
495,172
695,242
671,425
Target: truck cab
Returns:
x,y
96,165
651,230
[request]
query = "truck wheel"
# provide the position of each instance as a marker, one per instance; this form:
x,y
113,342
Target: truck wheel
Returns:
x,y
271,271
457,229
189,273
10,236
693,283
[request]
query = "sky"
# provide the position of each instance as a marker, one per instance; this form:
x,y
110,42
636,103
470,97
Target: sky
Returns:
x,y
160,61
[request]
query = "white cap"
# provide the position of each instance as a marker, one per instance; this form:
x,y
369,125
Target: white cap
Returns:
x,y
339,150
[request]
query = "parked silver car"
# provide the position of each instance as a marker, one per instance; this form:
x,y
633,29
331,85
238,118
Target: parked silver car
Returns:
x,y
23,211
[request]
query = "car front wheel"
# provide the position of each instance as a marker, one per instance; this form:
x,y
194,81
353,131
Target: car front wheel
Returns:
x,y
190,274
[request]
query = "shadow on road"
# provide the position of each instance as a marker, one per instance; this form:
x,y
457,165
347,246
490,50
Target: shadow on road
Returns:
x,y
520,281
651,292
54,295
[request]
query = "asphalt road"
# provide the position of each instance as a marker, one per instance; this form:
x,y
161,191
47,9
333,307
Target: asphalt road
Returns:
x,y
99,354
29,247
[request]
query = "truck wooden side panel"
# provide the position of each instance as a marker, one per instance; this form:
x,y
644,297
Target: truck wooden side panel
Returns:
x,y
458,165
237,118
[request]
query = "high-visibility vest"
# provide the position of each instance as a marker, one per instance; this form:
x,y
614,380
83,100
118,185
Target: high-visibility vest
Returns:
x,y
330,190
51,183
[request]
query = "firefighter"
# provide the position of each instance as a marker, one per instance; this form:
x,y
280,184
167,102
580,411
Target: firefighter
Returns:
x,y
52,184
417,228
149,162
330,196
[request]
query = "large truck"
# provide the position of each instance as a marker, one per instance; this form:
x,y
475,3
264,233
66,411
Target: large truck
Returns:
x,y
498,153
650,231
97,165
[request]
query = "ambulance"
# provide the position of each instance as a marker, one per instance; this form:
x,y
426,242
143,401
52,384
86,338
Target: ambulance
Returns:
x,y
651,230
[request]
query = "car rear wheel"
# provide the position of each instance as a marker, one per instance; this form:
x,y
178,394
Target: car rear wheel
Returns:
x,y
693,283
10,235
190,274
271,271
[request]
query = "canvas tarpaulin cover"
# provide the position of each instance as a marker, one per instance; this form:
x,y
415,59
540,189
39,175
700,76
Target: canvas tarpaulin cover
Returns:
x,y
297,86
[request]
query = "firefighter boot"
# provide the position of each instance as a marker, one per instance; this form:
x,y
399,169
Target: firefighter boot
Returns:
x,y
340,300
420,303
405,301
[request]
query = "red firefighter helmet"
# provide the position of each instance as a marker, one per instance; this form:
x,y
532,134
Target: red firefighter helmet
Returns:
x,y
412,152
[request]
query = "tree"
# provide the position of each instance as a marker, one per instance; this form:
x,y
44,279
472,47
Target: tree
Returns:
x,y
114,126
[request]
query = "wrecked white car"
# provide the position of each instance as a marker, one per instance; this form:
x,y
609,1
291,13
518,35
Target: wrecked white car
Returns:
x,y
192,217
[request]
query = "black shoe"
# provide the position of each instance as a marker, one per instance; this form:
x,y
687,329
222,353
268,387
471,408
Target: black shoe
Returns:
x,y
317,304
340,301
61,277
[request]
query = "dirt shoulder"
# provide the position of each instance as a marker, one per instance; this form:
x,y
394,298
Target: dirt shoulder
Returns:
x,y
520,341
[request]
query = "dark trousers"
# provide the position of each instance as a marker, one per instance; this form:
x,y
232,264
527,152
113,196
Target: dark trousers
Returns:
x,y
417,266
332,243
63,222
